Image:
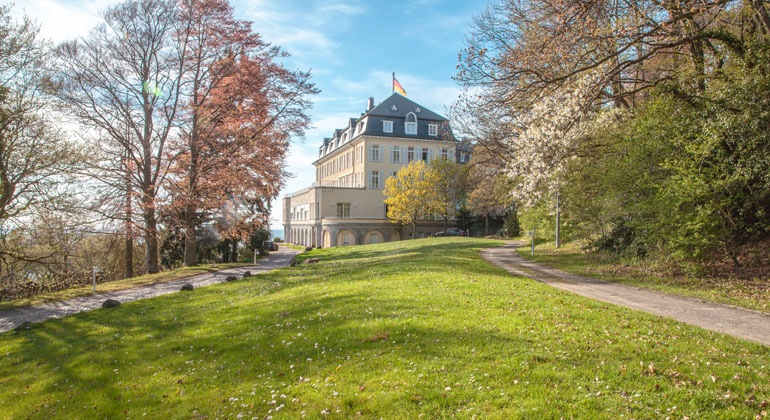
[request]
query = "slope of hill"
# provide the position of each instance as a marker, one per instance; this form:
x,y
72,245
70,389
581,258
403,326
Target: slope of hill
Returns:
x,y
395,330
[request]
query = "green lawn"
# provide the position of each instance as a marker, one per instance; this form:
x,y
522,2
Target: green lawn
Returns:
x,y
753,294
420,328
291,246
119,285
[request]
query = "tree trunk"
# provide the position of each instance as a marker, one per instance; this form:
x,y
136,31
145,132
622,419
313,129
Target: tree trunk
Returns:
x,y
234,254
190,238
446,220
414,230
486,225
129,257
151,237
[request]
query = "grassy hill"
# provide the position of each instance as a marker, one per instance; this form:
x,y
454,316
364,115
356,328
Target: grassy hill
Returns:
x,y
394,330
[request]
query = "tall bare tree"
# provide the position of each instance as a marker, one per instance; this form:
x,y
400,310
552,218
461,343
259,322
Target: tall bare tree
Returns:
x,y
128,71
35,158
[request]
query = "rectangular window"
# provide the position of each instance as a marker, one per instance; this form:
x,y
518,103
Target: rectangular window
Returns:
x,y
395,154
410,154
374,179
374,153
444,153
424,155
411,128
343,210
387,126
433,129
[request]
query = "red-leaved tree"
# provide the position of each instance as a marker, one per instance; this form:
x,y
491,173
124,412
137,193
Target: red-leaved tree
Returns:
x,y
242,106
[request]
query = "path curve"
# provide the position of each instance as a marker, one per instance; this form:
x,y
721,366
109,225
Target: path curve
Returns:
x,y
12,318
739,322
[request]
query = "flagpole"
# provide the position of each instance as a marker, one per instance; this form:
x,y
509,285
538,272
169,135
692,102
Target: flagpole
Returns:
x,y
393,84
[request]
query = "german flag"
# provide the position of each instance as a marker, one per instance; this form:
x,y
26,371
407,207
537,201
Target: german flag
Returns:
x,y
397,86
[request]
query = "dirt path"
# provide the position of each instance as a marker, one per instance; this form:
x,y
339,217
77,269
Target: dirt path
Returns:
x,y
742,323
12,318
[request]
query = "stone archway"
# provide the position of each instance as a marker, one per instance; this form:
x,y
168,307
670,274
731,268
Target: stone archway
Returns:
x,y
374,237
327,241
346,237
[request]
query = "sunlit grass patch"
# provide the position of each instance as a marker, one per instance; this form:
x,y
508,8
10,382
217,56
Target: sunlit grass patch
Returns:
x,y
395,330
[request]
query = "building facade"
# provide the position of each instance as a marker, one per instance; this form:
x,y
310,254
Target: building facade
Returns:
x,y
345,205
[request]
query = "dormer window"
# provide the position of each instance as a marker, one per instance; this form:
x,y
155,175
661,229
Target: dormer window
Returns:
x,y
411,124
387,126
433,129
345,137
360,127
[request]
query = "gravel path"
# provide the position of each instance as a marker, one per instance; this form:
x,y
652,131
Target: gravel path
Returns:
x,y
12,318
739,322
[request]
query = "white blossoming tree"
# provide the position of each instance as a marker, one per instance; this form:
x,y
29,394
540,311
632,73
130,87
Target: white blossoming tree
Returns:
x,y
548,135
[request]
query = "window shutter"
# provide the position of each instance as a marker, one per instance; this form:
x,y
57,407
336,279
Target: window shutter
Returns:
x,y
430,155
403,154
369,179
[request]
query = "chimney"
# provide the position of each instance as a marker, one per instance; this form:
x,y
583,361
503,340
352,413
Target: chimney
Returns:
x,y
370,105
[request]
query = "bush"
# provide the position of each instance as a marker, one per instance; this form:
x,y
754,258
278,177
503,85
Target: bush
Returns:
x,y
511,227
623,239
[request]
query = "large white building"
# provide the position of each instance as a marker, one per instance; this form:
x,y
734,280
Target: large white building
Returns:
x,y
345,205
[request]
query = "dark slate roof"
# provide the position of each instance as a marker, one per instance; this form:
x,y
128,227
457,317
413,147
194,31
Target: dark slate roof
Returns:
x,y
384,112
403,105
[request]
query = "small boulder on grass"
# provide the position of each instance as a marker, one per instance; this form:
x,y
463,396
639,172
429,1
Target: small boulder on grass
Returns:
x,y
231,278
247,274
187,287
110,303
308,249
23,326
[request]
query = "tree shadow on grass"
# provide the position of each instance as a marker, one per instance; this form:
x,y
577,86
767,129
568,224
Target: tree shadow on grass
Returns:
x,y
102,356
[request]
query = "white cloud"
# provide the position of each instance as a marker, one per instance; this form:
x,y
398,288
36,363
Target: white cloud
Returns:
x,y
298,30
60,22
343,8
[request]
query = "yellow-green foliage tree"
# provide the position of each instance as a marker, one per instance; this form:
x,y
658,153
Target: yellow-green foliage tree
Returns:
x,y
451,187
412,194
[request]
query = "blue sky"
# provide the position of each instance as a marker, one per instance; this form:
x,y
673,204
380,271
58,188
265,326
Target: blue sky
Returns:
x,y
351,47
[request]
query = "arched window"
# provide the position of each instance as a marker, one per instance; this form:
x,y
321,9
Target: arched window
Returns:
x,y
411,124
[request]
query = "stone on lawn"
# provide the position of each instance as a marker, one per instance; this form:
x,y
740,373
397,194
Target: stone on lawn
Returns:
x,y
110,303
308,249
231,278
23,326
187,287
247,274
